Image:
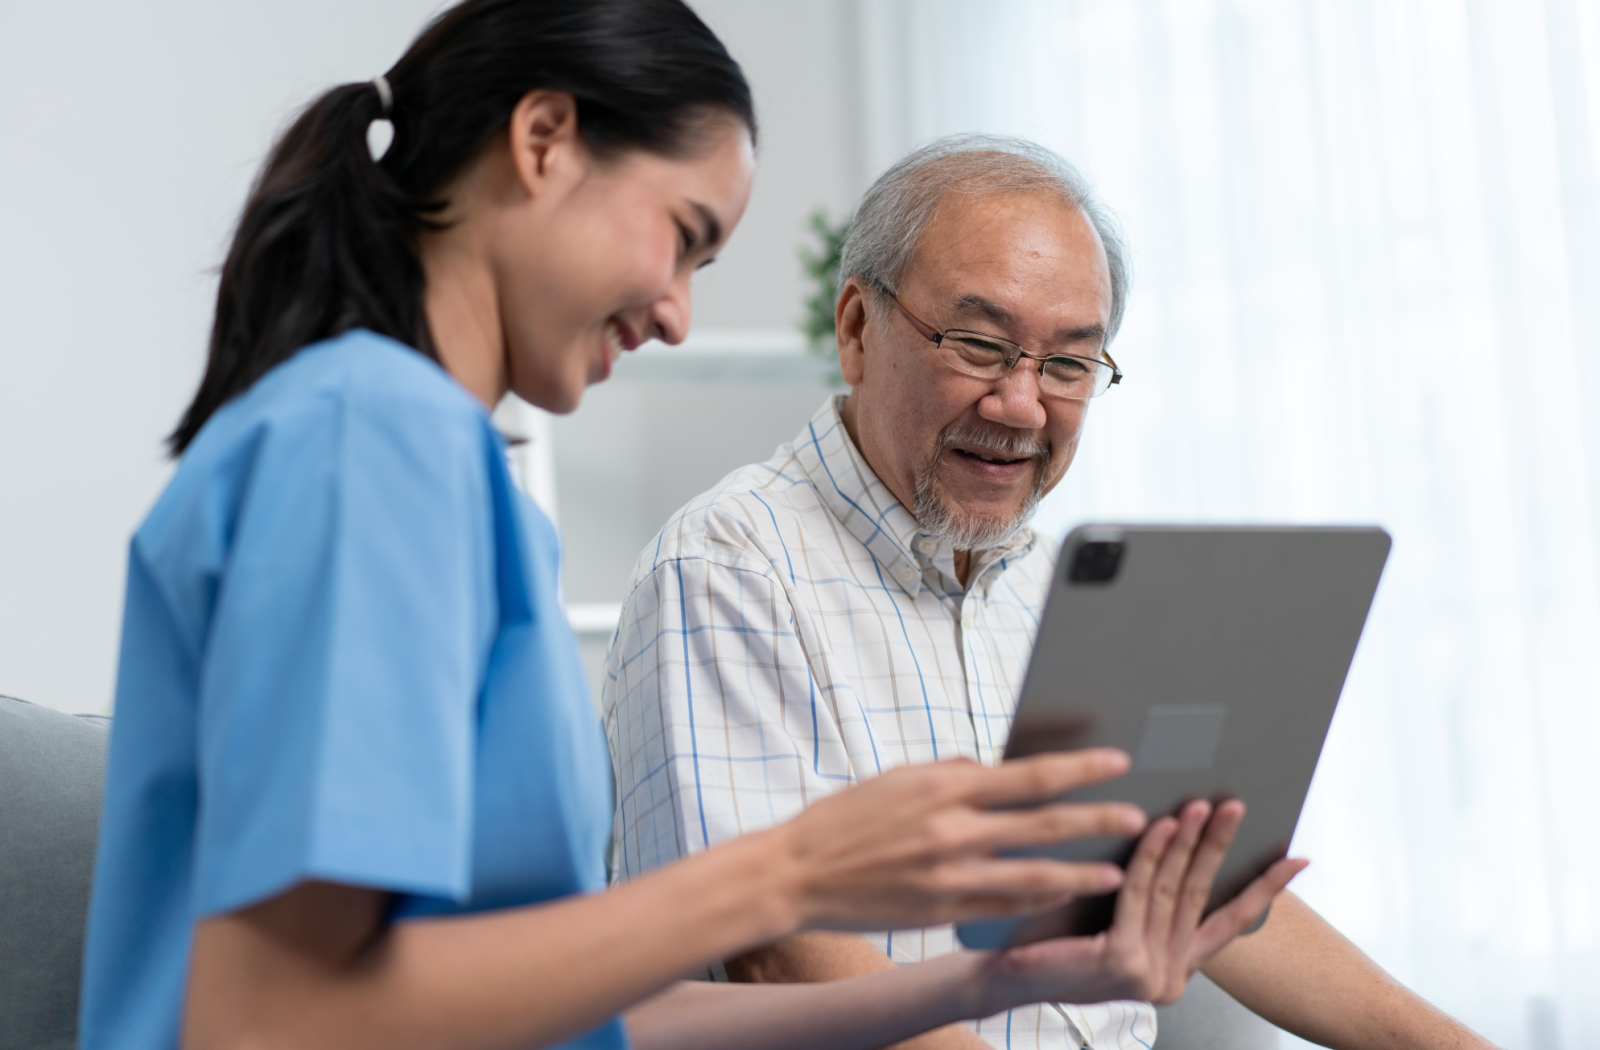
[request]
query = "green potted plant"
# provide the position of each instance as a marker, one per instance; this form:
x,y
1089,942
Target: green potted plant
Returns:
x,y
820,260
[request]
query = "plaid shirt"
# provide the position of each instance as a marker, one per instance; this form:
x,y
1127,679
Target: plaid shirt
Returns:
x,y
791,632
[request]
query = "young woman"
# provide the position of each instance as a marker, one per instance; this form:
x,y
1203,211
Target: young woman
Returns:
x,y
356,794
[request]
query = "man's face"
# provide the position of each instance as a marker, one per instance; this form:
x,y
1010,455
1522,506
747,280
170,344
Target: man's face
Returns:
x,y
971,456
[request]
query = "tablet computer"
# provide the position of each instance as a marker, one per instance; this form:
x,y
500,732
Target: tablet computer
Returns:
x,y
1215,657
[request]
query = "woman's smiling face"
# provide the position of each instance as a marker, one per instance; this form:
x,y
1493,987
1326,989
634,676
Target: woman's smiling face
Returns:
x,y
577,258
616,263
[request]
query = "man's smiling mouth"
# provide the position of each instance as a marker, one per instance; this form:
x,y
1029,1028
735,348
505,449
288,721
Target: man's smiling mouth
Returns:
x,y
990,457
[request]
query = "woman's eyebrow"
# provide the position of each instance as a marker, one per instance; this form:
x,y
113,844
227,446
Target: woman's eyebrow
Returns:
x,y
713,225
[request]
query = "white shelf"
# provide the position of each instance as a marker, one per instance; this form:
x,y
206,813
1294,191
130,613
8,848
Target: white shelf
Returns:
x,y
750,355
738,342
594,619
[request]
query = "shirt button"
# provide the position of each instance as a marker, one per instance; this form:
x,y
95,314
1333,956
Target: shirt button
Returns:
x,y
927,544
907,574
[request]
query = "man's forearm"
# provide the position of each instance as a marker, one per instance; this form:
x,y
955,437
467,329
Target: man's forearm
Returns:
x,y
814,957
1304,976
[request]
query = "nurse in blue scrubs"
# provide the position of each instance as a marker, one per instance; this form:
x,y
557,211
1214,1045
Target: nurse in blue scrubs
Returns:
x,y
356,794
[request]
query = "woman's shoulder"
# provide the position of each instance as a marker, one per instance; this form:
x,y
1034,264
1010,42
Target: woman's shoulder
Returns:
x,y
358,414
352,384
361,369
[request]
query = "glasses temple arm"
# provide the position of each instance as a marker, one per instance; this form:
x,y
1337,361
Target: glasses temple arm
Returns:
x,y
927,332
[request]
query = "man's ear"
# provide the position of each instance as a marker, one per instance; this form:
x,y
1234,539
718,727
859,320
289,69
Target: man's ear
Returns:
x,y
850,323
543,136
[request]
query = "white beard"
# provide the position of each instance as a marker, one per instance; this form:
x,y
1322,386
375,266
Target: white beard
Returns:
x,y
967,532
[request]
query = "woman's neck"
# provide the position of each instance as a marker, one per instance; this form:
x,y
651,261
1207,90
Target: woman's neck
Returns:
x,y
464,313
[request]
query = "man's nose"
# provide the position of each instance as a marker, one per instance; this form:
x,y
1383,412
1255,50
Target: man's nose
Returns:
x,y
1014,400
669,315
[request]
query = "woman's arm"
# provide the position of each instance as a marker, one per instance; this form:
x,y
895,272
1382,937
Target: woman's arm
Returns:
x,y
1154,945
317,965
861,1013
812,957
303,969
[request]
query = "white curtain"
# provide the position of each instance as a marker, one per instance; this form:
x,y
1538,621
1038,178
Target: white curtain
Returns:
x,y
1366,241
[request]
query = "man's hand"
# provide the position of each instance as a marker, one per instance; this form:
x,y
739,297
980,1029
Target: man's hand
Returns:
x,y
1157,939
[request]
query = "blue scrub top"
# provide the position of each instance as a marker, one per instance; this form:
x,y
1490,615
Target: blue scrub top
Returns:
x,y
343,659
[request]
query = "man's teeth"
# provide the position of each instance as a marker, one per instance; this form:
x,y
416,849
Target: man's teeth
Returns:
x,y
613,338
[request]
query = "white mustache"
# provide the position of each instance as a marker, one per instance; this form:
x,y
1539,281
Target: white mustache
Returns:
x,y
1001,441
940,518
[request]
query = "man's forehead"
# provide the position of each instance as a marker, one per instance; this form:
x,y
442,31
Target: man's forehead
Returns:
x,y
986,256
1030,222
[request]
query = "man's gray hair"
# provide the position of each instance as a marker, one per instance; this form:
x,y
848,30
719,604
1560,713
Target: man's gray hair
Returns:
x,y
897,209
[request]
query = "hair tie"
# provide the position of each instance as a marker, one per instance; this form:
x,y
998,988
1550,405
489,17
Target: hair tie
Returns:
x,y
385,93
380,133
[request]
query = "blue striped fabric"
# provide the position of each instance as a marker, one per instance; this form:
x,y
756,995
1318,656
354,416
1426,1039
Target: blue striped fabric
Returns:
x,y
791,632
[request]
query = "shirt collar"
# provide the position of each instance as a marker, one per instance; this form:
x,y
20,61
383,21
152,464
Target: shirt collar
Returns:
x,y
868,511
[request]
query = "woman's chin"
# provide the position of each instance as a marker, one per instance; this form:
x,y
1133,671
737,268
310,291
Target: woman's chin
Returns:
x,y
600,367
567,401
558,398
561,393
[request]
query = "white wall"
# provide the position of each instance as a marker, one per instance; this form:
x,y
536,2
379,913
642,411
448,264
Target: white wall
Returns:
x,y
801,62
128,136
669,426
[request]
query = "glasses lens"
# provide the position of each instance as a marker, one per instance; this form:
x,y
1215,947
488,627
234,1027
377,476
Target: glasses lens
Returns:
x,y
986,357
1074,377
978,355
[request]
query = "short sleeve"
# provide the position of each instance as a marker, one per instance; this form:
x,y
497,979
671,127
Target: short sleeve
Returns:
x,y
716,726
345,654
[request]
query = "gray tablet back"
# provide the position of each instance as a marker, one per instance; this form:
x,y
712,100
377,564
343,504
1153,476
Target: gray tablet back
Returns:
x,y
1215,657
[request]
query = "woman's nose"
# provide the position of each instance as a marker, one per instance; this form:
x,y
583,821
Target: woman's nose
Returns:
x,y
669,315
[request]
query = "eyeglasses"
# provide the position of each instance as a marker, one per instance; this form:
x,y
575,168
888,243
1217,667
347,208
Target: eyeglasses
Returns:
x,y
990,357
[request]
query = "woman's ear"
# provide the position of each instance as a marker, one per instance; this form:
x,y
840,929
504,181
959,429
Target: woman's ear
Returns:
x,y
543,138
850,322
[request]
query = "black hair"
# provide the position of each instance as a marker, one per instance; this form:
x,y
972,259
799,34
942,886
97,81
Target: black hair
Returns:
x,y
328,238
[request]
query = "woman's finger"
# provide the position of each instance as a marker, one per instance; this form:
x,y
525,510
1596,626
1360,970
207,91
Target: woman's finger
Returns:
x,y
1133,904
1173,866
1233,918
1015,877
991,888
1044,776
988,831
967,909
1203,868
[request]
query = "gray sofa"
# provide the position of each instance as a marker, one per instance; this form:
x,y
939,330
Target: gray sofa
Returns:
x,y
51,770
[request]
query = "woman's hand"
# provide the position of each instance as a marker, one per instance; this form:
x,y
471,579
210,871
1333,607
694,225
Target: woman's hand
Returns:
x,y
1155,943
915,846
1157,939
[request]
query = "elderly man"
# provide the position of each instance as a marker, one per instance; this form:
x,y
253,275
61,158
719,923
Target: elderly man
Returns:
x,y
868,596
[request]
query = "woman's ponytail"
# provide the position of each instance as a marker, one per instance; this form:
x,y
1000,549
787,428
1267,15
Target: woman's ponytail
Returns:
x,y
325,244
328,238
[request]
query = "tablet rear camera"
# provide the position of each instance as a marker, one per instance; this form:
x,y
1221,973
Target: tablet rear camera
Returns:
x,y
1095,561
